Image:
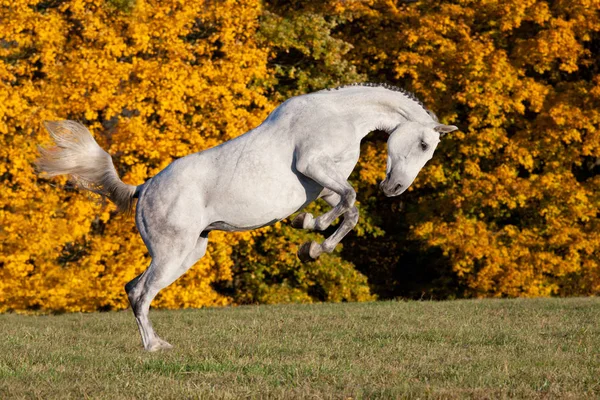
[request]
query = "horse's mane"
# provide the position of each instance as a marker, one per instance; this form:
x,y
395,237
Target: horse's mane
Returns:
x,y
406,93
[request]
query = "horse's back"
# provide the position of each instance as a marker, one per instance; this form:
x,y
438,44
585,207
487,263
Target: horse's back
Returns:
x,y
245,183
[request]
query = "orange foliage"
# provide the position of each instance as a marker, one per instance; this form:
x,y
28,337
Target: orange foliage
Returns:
x,y
153,83
509,203
512,199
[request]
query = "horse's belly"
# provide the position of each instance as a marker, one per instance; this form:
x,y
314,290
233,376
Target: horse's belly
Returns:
x,y
262,204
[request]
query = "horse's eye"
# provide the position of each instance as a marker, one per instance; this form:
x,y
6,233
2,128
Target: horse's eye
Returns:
x,y
424,146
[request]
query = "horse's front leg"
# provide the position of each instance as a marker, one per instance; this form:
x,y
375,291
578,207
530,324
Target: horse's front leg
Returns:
x,y
308,221
340,195
350,218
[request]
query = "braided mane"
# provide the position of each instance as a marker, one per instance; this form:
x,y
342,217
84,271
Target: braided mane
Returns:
x,y
406,93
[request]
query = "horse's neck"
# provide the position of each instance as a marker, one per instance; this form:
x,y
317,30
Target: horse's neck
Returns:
x,y
372,108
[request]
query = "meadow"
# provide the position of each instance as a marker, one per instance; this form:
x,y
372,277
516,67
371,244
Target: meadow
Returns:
x,y
523,348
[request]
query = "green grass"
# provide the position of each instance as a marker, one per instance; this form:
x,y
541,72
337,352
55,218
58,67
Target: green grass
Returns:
x,y
543,348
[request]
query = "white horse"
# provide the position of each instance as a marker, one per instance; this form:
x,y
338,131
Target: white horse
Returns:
x,y
305,150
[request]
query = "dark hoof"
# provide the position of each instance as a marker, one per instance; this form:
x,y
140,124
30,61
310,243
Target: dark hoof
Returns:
x,y
309,251
298,222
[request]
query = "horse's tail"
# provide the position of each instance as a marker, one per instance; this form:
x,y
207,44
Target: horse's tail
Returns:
x,y
78,155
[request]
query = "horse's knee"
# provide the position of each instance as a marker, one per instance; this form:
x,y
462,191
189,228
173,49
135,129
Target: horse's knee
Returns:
x,y
352,216
349,198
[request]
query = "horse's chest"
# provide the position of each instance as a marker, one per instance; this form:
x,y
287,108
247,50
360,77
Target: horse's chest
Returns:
x,y
346,161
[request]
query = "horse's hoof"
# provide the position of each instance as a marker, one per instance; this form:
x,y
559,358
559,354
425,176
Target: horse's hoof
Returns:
x,y
303,221
158,344
309,251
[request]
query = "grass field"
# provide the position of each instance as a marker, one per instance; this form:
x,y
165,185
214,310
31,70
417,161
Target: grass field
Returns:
x,y
544,348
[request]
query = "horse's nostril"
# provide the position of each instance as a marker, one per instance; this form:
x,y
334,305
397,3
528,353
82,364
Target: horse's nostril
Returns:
x,y
398,187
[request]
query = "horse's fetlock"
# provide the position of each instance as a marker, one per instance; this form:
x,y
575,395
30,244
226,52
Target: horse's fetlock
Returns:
x,y
309,251
304,221
309,221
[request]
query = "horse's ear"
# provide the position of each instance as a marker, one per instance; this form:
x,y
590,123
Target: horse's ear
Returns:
x,y
443,129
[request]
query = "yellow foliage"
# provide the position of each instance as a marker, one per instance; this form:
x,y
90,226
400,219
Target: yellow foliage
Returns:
x,y
509,202
512,200
154,81
159,81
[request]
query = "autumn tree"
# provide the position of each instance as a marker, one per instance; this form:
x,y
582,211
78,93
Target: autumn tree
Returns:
x,y
507,207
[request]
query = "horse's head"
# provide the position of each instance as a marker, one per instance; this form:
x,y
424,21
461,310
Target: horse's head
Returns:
x,y
410,146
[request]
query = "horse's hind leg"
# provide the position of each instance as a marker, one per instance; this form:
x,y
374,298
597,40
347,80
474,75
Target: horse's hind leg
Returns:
x,y
163,270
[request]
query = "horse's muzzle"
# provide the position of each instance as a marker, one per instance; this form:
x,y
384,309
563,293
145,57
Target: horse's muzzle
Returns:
x,y
391,189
